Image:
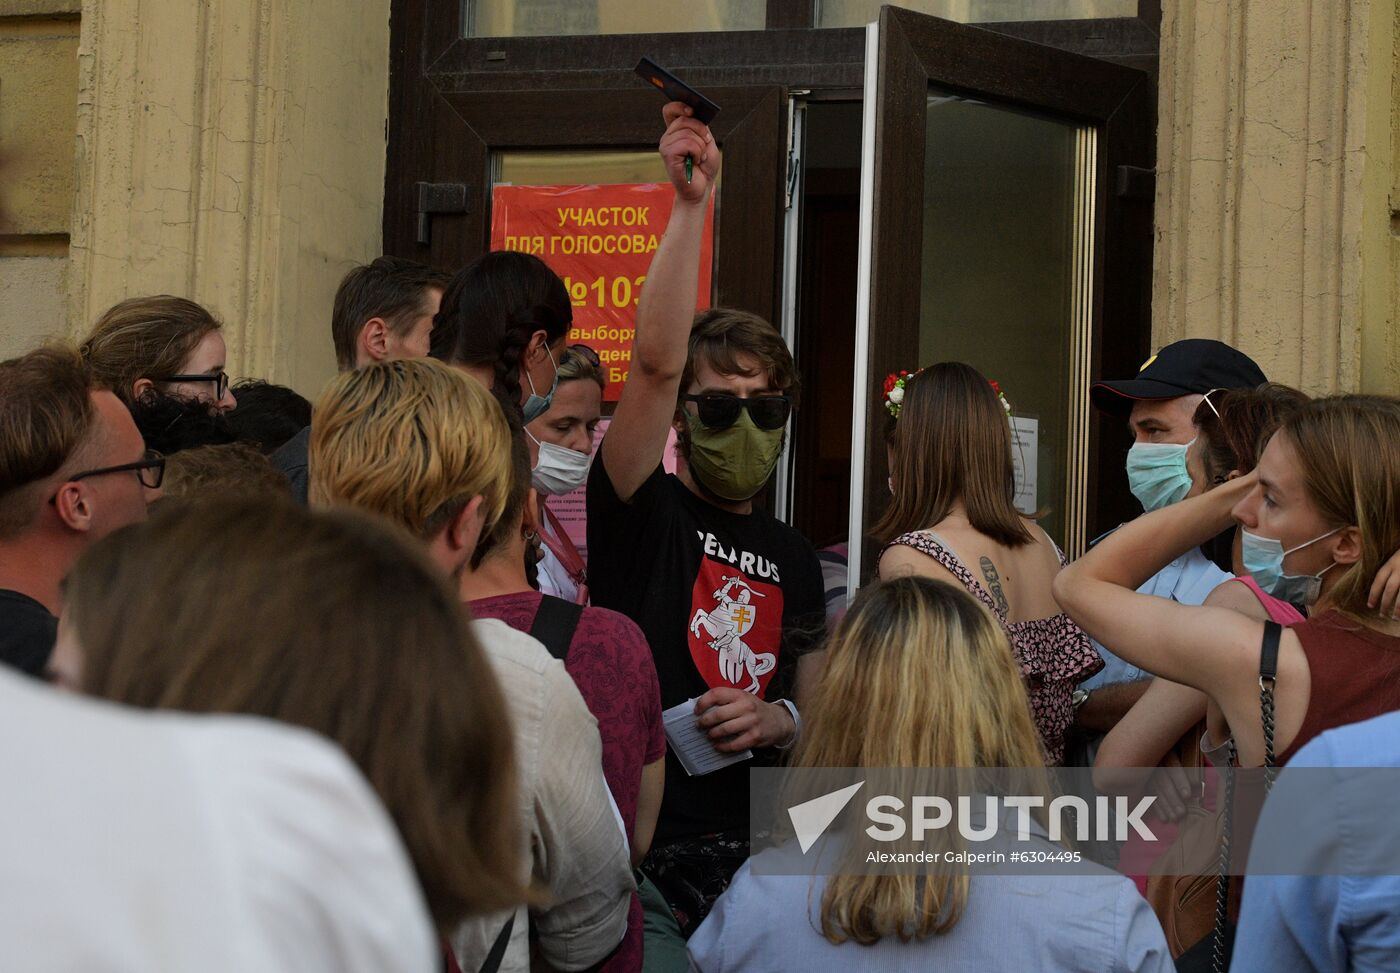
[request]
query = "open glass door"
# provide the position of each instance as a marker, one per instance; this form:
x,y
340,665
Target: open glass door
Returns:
x,y
983,216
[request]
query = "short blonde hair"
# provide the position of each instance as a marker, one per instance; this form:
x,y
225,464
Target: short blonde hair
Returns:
x,y
412,441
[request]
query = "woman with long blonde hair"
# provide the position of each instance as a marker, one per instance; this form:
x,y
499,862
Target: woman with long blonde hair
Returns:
x,y
920,679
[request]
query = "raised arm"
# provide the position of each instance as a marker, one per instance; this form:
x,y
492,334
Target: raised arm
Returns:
x,y
636,438
1213,649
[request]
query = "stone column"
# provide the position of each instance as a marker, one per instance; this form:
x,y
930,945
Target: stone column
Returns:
x,y
1275,161
231,151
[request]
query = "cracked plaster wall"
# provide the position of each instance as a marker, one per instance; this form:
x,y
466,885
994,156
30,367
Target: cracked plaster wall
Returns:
x,y
232,151
1276,186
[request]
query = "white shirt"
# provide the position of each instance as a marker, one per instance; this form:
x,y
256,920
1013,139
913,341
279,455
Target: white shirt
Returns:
x,y
573,838
1188,580
154,842
552,577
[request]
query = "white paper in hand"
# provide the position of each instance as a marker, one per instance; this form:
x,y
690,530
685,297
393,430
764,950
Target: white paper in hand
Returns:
x,y
690,744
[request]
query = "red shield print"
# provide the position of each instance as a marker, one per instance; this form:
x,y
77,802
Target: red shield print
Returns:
x,y
735,629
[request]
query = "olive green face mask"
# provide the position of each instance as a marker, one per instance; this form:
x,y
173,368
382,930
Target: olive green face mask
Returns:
x,y
733,463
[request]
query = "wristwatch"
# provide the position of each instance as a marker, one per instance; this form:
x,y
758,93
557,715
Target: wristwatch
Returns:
x,y
1079,697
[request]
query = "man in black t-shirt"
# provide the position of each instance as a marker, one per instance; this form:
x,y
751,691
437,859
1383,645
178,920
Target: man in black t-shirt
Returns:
x,y
73,468
727,596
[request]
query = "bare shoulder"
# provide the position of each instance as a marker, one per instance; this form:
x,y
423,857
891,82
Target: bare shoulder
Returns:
x,y
901,560
1043,549
1236,596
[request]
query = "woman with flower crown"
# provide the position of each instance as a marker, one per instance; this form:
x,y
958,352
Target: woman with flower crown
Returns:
x,y
952,517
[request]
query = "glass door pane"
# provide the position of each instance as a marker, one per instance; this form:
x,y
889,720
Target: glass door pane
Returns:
x,y
1006,215
982,221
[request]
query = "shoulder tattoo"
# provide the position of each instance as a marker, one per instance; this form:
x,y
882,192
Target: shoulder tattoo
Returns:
x,y
989,572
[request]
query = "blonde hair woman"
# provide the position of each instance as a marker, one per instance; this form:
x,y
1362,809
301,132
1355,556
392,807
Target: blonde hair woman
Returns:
x,y
160,345
562,443
969,710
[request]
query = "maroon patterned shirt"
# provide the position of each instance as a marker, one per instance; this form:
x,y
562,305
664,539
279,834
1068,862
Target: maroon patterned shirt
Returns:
x,y
611,664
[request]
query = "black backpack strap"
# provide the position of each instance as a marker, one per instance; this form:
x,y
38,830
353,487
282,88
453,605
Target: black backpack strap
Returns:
x,y
555,623
492,963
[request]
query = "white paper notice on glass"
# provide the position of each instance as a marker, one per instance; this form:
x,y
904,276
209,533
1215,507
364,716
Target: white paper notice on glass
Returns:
x,y
690,744
1025,443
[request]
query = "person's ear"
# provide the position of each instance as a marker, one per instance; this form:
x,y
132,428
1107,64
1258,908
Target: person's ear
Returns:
x,y
535,348
464,531
140,388
1233,475
374,339
530,519
1348,549
74,507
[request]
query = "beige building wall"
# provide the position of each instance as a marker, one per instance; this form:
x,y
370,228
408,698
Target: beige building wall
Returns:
x,y
1277,186
38,106
231,152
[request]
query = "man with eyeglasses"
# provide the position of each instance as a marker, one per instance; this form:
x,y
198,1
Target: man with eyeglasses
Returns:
x,y
73,468
727,596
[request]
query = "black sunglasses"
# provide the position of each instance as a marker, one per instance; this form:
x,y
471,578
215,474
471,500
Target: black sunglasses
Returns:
x,y
720,410
219,378
149,469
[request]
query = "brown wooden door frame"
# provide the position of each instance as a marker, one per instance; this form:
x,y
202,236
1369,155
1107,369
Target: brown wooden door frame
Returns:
x,y
918,51
453,100
480,95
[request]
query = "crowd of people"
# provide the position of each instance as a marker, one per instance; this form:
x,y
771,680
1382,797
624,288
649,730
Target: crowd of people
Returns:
x,y
333,688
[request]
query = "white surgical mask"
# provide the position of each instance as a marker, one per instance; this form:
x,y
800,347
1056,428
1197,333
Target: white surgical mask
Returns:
x,y
559,470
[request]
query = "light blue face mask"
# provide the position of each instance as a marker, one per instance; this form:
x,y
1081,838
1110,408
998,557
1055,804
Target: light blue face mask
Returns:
x,y
1263,561
537,405
1157,474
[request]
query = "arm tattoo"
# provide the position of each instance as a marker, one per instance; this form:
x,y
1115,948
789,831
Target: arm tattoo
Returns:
x,y
989,571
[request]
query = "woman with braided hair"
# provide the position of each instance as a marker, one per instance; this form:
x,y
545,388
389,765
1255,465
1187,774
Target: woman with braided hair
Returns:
x,y
504,319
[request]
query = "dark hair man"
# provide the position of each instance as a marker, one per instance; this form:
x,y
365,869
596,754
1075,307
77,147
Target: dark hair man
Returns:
x,y
383,311
73,468
723,592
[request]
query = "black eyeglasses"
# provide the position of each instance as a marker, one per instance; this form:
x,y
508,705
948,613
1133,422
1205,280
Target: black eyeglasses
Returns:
x,y
587,354
219,378
720,410
149,469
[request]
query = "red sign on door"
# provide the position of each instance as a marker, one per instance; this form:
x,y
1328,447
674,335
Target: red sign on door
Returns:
x,y
600,240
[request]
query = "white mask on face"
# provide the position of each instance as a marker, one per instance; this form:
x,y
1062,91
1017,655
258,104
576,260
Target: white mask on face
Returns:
x,y
559,470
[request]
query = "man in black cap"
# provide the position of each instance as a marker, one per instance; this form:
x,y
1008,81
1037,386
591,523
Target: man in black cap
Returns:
x,y
1160,406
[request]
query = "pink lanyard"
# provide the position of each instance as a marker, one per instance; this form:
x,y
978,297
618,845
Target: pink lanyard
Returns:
x,y
563,549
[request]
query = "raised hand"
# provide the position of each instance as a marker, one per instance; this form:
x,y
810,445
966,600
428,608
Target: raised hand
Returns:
x,y
685,136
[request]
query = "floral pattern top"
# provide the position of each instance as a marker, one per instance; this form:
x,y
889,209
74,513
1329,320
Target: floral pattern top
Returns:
x,y
1054,654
